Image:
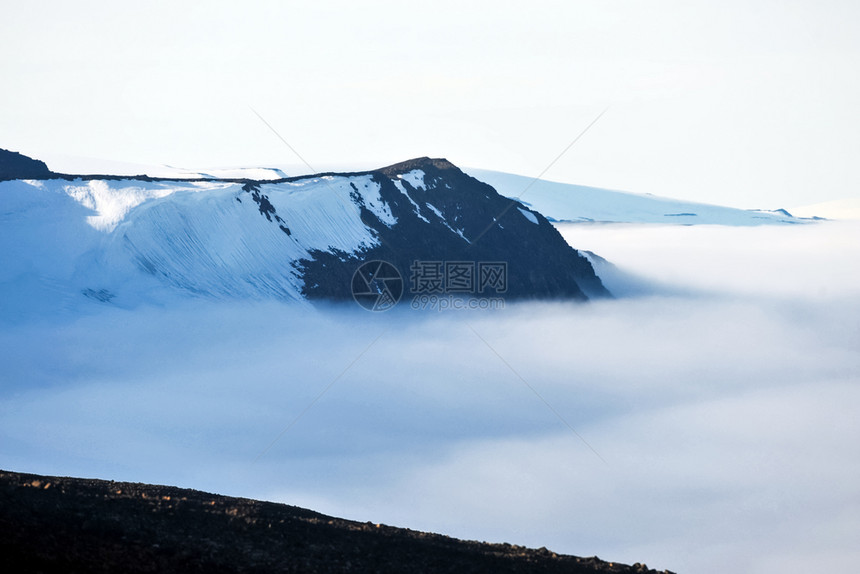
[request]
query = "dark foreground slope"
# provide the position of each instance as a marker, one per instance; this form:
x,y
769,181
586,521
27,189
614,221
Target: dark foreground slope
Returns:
x,y
51,524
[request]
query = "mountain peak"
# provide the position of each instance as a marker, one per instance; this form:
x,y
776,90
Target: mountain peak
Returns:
x,y
418,163
14,165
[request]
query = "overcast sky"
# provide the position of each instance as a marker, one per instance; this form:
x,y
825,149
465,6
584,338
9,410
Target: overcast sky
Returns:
x,y
750,104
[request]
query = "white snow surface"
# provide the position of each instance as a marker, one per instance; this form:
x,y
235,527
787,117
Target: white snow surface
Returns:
x,y
577,203
415,178
439,214
111,204
528,215
372,200
129,239
415,207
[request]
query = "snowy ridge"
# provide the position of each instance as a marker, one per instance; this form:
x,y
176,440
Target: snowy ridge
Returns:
x,y
576,203
112,203
415,178
206,238
127,241
225,248
441,216
416,207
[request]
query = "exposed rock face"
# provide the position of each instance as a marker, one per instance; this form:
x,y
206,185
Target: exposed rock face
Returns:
x,y
14,165
50,524
442,214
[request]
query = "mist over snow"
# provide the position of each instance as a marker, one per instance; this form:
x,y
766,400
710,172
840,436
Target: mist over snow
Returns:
x,y
720,392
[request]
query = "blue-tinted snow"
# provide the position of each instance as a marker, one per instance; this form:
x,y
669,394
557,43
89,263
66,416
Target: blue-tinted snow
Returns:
x,y
528,215
578,203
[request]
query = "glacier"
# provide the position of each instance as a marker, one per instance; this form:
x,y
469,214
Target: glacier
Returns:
x,y
569,203
206,237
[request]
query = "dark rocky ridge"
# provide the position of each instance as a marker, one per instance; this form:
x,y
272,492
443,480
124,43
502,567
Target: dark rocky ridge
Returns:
x,y
50,524
540,263
14,165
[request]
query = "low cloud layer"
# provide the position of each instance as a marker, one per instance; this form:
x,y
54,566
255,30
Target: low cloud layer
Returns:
x,y
705,421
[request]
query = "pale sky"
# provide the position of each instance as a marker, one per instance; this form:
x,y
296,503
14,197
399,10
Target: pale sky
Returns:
x,y
749,103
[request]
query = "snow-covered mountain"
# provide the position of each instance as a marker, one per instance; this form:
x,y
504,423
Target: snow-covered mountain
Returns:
x,y
577,203
119,239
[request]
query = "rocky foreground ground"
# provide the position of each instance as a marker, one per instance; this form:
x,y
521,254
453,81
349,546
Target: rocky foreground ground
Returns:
x,y
69,525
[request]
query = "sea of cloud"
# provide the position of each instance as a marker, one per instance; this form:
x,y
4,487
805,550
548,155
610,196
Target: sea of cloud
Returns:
x,y
704,420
